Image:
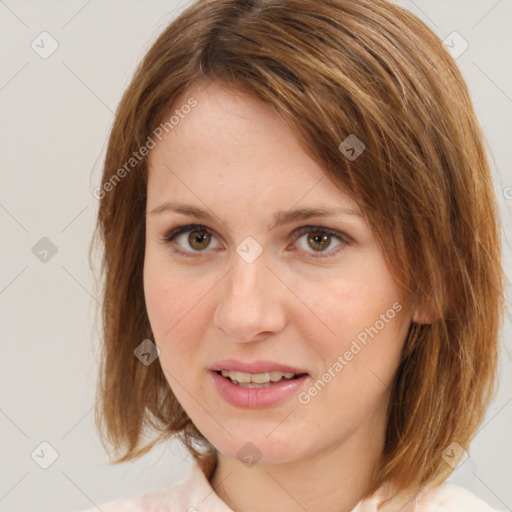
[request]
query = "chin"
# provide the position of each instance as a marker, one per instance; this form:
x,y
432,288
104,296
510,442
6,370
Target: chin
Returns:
x,y
257,449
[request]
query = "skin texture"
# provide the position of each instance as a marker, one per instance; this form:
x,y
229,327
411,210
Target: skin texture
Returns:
x,y
233,155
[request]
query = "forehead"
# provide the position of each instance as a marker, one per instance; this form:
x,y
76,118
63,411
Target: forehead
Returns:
x,y
234,148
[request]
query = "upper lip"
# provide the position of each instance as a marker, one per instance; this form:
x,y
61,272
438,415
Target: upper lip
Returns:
x,y
255,367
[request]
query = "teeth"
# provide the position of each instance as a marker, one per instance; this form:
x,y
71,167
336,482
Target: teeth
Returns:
x,y
256,378
253,385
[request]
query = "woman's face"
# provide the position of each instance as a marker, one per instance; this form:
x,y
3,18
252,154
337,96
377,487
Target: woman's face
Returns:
x,y
246,290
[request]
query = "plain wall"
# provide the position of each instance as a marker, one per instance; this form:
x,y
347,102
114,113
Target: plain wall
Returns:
x,y
56,115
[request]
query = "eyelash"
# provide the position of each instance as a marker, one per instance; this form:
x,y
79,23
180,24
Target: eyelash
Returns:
x,y
173,233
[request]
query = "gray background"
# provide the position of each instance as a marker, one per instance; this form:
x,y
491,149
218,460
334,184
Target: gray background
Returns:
x,y
56,116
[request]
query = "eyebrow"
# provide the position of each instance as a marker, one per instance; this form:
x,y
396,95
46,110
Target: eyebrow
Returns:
x,y
279,218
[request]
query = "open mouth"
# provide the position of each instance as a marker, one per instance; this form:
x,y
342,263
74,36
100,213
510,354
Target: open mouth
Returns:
x,y
260,380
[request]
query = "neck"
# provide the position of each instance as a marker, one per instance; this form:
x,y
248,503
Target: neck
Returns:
x,y
332,480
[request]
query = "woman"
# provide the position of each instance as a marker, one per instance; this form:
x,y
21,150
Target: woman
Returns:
x,y
301,259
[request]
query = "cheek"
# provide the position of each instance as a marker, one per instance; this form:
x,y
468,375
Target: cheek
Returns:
x,y
166,297
157,297
359,364
176,304
358,314
342,304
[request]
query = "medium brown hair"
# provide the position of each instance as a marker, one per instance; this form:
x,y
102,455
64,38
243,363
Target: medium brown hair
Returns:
x,y
329,69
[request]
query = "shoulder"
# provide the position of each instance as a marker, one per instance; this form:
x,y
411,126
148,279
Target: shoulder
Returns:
x,y
190,494
450,498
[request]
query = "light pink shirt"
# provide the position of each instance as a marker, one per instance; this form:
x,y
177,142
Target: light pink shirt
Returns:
x,y
195,494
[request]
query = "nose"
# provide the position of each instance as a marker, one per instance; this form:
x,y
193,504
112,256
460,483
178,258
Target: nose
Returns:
x,y
251,304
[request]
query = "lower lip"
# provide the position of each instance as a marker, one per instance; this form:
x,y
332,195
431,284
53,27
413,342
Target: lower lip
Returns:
x,y
255,398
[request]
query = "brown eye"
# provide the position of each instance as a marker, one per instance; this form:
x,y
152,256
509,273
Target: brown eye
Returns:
x,y
190,240
318,241
199,240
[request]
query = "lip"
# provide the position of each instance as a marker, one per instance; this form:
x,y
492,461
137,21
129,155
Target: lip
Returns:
x,y
256,398
254,367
